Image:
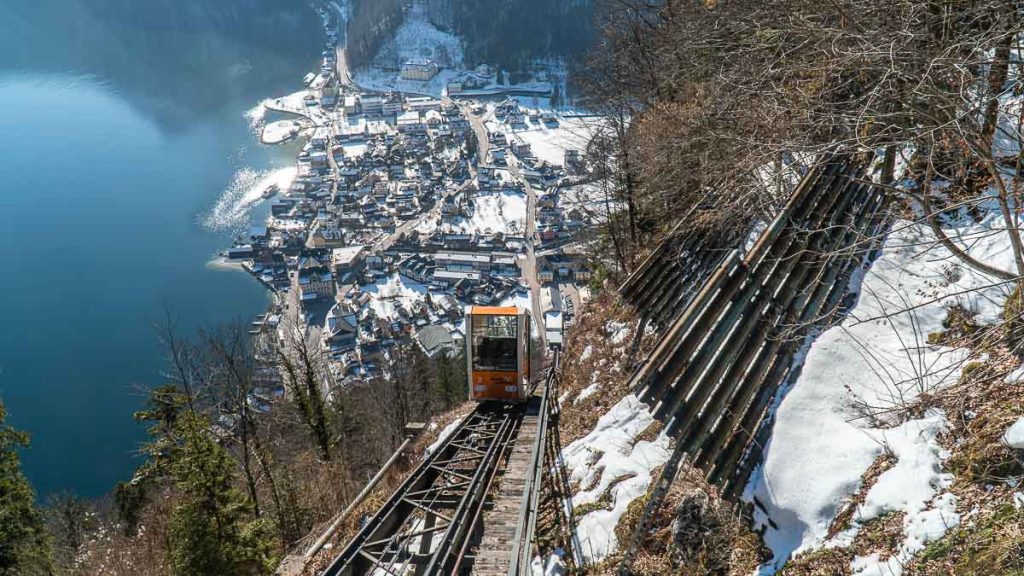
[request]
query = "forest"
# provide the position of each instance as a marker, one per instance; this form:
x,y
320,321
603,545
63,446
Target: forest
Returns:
x,y
502,33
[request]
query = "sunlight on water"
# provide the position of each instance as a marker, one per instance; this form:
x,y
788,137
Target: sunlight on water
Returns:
x,y
245,192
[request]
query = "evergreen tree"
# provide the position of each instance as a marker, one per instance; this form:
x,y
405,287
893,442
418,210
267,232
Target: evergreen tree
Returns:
x,y
24,544
212,529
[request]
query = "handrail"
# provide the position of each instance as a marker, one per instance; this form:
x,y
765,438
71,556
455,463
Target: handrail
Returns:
x,y
527,523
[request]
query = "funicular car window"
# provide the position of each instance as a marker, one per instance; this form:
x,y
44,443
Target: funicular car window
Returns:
x,y
494,343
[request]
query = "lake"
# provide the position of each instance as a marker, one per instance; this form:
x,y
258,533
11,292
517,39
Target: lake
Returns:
x,y
124,147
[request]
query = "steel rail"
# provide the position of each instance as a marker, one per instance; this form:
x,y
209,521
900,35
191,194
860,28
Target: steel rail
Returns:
x,y
449,478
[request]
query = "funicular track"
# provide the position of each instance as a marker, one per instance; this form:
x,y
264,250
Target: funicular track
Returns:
x,y
719,365
434,522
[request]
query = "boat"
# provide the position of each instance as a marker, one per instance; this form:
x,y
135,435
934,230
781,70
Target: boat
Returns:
x,y
270,191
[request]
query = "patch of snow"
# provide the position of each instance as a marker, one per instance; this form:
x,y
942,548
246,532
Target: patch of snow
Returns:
x,y
499,212
755,232
877,357
445,433
919,529
1018,500
418,38
586,352
617,332
1014,436
606,455
588,391
1016,376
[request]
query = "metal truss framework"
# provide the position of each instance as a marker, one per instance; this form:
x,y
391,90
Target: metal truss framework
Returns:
x,y
425,526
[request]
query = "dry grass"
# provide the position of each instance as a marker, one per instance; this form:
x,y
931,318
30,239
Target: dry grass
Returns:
x,y
607,364
726,546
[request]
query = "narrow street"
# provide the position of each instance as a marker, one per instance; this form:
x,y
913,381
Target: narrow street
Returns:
x,y
528,261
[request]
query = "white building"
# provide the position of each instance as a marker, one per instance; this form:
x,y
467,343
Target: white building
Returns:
x,y
419,69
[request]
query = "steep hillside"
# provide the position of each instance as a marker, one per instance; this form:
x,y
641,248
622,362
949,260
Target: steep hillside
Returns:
x,y
508,34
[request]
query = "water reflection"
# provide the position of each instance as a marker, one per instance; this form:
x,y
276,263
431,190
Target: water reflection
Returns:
x,y
121,124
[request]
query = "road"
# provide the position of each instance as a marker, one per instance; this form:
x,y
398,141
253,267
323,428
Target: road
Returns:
x,y
528,262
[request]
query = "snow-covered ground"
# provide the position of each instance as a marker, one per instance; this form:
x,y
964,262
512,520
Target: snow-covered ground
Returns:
x,y
610,460
385,297
443,435
418,38
498,212
550,144
387,80
280,131
822,442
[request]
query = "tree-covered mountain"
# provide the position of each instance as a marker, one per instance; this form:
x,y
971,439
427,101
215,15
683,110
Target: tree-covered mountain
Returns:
x,y
511,33
506,33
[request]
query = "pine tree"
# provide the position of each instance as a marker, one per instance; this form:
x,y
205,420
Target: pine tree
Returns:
x,y
212,529
24,544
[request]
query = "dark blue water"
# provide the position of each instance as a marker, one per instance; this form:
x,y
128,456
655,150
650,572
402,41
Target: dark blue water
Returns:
x,y
121,126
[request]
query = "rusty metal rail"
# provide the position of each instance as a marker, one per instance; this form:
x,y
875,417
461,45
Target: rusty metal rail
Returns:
x,y
437,519
423,525
719,365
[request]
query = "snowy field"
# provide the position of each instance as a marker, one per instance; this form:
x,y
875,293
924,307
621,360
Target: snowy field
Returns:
x,y
418,38
550,144
502,212
822,443
397,290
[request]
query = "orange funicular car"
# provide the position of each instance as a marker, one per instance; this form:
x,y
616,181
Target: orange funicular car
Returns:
x,y
498,353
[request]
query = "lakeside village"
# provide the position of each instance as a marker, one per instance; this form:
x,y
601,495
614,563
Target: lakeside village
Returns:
x,y
404,209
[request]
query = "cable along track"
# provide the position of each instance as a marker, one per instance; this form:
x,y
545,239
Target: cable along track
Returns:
x,y
719,365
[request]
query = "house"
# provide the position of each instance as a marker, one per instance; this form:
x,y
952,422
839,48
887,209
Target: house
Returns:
x,y
372,104
410,122
314,280
423,104
435,341
351,104
463,261
545,275
419,69
505,264
347,260
417,268
241,252
521,149
341,330
391,106
325,237
448,278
